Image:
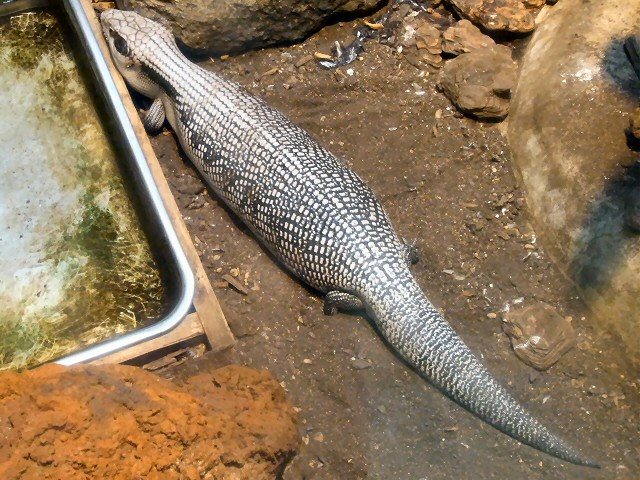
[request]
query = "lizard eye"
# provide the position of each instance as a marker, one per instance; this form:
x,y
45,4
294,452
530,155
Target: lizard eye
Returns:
x,y
120,44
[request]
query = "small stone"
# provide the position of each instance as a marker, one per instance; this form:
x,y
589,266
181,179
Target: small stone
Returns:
x,y
533,376
432,60
539,335
196,203
496,15
360,363
480,82
420,42
464,37
188,185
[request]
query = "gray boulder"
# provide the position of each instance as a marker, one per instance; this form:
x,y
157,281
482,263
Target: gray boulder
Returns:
x,y
210,27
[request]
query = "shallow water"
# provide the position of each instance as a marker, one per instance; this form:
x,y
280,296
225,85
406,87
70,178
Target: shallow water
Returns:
x,y
75,265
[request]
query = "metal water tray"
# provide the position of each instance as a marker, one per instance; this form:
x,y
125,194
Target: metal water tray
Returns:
x,y
90,261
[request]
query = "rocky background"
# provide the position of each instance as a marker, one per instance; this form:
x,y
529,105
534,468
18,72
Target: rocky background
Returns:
x,y
479,81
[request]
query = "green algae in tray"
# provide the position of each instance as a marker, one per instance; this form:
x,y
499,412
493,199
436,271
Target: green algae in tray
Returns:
x,y
75,267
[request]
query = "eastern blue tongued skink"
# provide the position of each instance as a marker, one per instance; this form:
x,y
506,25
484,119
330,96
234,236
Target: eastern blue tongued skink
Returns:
x,y
315,214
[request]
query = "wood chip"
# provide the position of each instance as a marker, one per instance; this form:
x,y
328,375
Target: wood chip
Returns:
x,y
304,60
322,56
235,284
340,73
165,361
374,26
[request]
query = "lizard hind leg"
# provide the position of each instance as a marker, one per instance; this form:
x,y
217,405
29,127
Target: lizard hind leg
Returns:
x,y
411,253
336,300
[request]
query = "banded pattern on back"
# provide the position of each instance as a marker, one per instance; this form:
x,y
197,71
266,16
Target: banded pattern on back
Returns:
x,y
315,214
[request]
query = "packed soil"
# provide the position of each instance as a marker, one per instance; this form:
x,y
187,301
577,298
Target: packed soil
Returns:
x,y
447,183
120,422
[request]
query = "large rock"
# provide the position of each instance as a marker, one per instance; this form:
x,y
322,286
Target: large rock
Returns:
x,y
567,126
226,26
479,83
464,37
496,15
118,422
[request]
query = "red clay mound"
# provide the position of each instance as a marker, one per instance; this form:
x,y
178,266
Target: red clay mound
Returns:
x,y
119,422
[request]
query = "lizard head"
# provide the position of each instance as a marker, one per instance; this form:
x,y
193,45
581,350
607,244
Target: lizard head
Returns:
x,y
136,44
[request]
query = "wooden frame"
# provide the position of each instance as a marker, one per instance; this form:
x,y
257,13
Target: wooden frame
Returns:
x,y
207,322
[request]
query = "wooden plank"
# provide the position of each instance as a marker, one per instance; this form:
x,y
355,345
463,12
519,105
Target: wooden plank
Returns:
x,y
206,304
189,328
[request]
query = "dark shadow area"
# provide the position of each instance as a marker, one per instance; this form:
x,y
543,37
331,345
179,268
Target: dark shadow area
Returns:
x,y
618,68
614,219
608,230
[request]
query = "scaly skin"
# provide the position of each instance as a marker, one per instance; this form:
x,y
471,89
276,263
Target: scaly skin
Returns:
x,y
316,215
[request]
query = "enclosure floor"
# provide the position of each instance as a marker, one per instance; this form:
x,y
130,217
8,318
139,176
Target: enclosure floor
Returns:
x,y
446,183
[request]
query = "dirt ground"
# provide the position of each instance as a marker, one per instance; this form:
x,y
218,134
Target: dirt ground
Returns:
x,y
447,183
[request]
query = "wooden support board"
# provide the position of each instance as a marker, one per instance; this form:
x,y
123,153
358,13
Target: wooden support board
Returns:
x,y
208,320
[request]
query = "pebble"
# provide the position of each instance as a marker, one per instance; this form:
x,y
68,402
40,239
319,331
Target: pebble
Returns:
x,y
480,82
533,376
188,185
539,334
196,203
360,364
